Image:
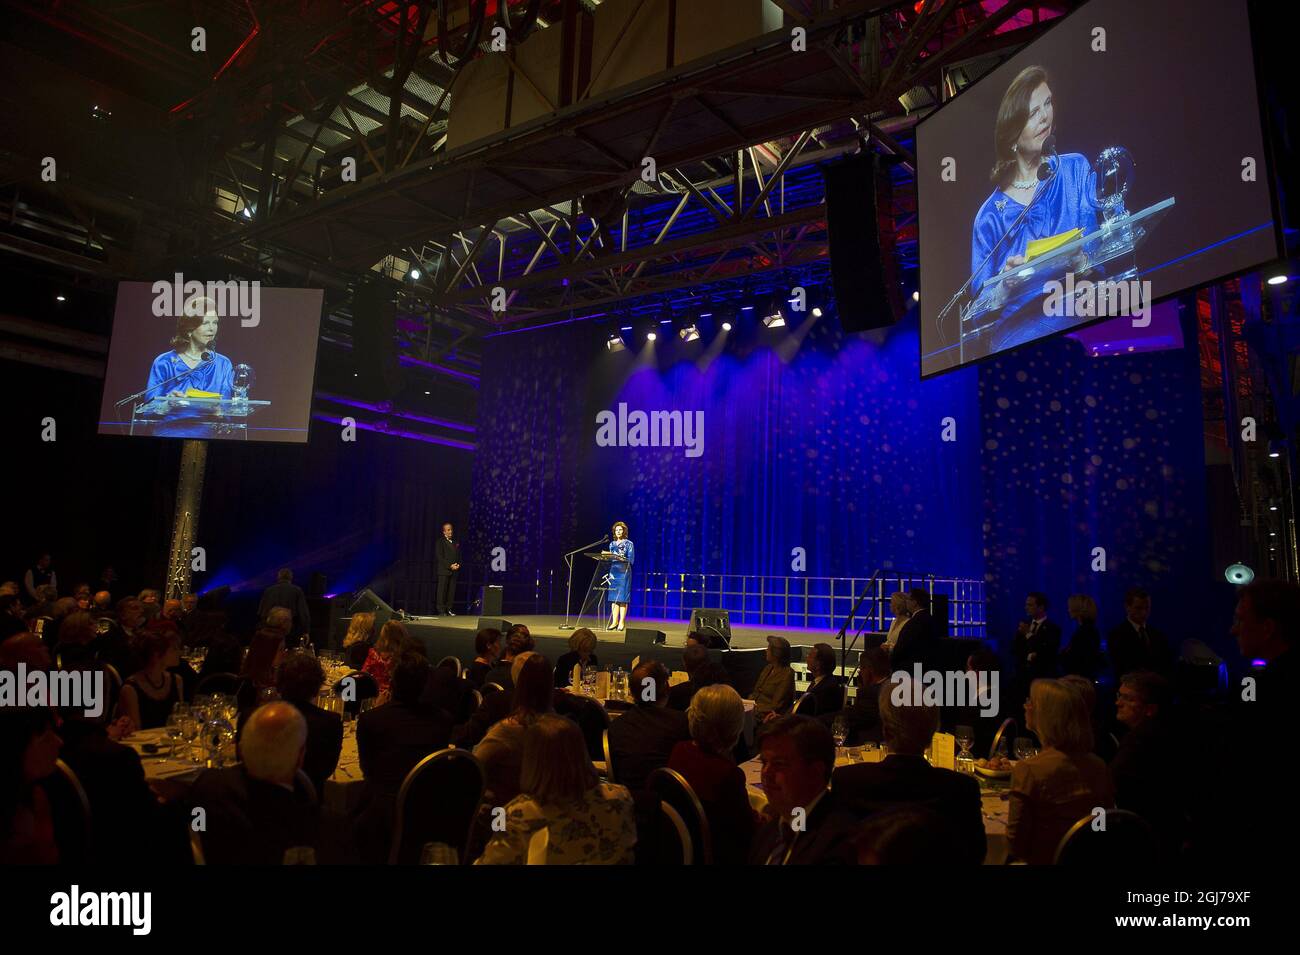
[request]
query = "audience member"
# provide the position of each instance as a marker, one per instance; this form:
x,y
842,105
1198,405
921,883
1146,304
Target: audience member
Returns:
x,y
1103,743
700,672
825,686
587,822
258,810
288,595
773,692
502,750
150,693
716,718
487,650
39,575
863,715
358,639
905,835
1148,769
582,652
1037,643
29,747
1052,791
806,826
642,739
298,682
25,648
904,778
1082,655
11,616
901,608
115,645
518,641
1134,644
392,640
267,648
918,641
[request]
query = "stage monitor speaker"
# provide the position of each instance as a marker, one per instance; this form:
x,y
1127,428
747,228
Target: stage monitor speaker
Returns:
x,y
643,638
713,622
492,599
939,612
861,243
493,623
374,341
368,601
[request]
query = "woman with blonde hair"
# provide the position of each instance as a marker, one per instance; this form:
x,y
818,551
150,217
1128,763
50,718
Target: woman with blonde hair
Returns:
x,y
582,652
1082,655
393,638
716,717
588,822
901,608
360,635
1052,791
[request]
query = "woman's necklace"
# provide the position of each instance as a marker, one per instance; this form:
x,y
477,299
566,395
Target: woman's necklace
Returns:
x,y
1025,183
157,687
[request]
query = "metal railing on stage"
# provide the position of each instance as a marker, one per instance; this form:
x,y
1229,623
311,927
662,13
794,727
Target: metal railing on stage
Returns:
x,y
808,603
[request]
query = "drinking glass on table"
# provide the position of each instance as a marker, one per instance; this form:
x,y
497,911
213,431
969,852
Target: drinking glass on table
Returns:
x,y
191,728
175,730
965,739
840,730
1026,748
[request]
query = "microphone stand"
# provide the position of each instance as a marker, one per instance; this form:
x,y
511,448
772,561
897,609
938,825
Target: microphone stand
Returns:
x,y
568,589
170,381
1038,194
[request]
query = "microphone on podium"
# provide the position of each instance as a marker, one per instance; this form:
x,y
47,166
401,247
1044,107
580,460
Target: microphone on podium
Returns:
x,y
1046,170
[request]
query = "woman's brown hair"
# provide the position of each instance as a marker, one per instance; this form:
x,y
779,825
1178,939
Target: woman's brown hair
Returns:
x,y
359,628
556,767
1013,113
622,525
190,318
534,688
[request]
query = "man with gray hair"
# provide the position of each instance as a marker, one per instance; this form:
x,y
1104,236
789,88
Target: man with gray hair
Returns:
x,y
905,778
255,811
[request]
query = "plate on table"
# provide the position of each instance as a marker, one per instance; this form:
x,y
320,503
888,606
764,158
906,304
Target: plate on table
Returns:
x,y
993,769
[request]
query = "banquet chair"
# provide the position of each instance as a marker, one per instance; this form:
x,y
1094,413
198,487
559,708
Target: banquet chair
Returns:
x,y
70,808
604,769
539,846
367,688
1002,736
635,660
674,837
451,663
671,787
1128,839
477,697
438,802
491,688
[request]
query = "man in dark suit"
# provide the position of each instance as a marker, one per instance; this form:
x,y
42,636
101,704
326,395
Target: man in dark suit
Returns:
x,y
1148,768
807,825
642,739
447,555
1037,642
1134,644
260,808
701,672
285,593
904,778
863,716
392,738
298,680
918,642
826,687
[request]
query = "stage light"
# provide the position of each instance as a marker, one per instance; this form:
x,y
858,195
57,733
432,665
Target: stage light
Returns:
x,y
916,296
1279,279
1275,449
726,326
774,315
415,275
690,333
615,341
817,311
651,336
248,212
60,298
1238,574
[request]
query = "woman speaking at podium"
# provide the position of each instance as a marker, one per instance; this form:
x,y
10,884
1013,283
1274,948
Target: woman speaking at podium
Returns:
x,y
191,352
620,576
1027,161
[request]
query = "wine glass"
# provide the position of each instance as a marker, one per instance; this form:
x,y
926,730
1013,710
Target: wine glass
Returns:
x,y
1025,748
840,730
175,730
191,727
965,739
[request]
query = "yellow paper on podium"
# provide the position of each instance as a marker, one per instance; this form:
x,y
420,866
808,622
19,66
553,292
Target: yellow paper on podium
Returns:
x,y
1037,247
943,751
195,393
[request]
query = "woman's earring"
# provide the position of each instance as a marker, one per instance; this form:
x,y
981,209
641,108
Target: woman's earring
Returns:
x,y
1015,147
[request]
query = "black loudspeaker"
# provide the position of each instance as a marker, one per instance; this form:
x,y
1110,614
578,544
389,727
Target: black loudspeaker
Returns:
x,y
492,597
860,238
939,614
368,601
374,341
494,623
715,623
643,638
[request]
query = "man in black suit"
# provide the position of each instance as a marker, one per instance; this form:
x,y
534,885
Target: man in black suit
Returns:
x,y
1134,645
826,687
285,593
863,717
807,826
701,672
447,554
260,808
918,642
905,778
642,739
1037,642
1148,766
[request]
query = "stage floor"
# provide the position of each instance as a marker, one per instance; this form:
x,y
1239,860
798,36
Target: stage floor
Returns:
x,y
743,637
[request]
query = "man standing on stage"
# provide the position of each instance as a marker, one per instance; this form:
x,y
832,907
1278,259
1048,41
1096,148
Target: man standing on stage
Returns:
x,y
448,554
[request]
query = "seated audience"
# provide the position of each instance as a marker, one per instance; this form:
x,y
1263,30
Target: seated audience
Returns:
x,y
262,807
299,681
358,639
267,648
380,658
863,716
986,666
905,835
588,822
502,750
25,648
716,717
825,686
76,635
1052,791
1082,655
582,652
150,693
1149,768
115,646
642,739
1103,744
700,672
518,641
487,650
901,608
904,778
805,824
81,594
1135,644
29,747
773,692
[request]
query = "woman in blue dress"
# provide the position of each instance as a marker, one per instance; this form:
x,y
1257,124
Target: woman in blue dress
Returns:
x,y
1026,118
196,330
620,573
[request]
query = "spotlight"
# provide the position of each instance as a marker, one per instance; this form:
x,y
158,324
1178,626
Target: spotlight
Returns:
x,y
687,325
415,275
1279,279
916,296
248,212
615,340
774,315
1272,505
60,298
726,326
651,335
689,333
1275,449
1238,574
817,311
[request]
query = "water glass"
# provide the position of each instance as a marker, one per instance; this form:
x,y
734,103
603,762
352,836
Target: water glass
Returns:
x,y
840,730
1025,748
175,730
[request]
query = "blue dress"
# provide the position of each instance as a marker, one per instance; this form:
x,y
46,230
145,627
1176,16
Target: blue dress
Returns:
x,y
620,584
1068,202
216,375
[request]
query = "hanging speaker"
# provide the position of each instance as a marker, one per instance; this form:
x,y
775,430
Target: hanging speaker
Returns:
x,y
858,196
374,340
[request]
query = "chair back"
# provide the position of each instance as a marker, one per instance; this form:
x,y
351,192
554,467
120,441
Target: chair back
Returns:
x,y
806,705
1126,840
367,688
70,808
672,788
1006,734
539,846
451,663
492,688
477,699
609,758
227,683
437,803
675,837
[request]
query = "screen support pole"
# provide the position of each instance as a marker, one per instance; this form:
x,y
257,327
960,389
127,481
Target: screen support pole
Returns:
x,y
189,494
